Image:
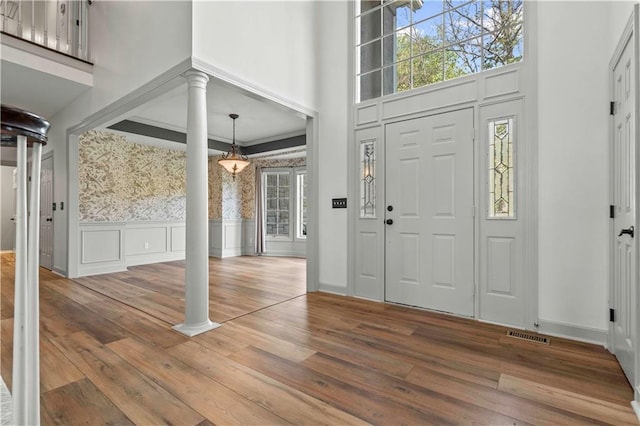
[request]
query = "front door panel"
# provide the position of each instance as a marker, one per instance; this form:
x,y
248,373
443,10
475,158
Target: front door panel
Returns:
x,y
429,196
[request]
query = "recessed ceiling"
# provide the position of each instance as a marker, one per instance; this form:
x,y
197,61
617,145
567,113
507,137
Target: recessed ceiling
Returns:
x,y
259,120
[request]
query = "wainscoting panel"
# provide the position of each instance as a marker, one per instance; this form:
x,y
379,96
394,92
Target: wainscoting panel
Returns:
x,y
146,240
153,242
231,237
113,246
101,248
178,238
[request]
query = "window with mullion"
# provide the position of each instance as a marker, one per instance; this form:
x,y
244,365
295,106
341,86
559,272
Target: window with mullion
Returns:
x,y
277,193
406,44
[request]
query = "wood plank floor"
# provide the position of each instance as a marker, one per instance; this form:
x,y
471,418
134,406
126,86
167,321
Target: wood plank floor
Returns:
x,y
109,356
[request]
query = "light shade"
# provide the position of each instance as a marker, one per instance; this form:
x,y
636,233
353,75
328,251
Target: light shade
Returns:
x,y
232,161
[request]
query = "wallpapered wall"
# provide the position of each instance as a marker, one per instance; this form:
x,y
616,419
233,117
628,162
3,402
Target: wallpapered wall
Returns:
x,y
122,181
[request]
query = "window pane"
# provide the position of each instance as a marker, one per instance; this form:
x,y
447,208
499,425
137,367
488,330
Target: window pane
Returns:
x,y
503,47
276,203
501,182
367,5
463,23
370,85
428,9
463,59
426,35
395,15
391,47
370,26
427,69
458,37
370,56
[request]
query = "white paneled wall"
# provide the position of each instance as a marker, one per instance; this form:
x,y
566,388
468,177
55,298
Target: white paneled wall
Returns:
x,y
113,246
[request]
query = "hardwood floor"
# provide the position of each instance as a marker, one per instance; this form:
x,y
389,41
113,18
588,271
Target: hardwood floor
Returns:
x,y
109,356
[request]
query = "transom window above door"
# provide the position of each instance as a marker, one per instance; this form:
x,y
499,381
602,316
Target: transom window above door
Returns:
x,y
407,44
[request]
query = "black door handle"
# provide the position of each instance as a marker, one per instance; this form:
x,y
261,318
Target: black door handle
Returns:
x,y
389,221
630,231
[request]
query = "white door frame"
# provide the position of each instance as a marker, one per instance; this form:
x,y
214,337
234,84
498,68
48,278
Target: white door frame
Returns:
x,y
629,35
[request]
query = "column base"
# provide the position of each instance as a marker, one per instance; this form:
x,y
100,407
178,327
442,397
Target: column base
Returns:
x,y
195,329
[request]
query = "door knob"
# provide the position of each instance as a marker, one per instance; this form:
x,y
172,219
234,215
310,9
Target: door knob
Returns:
x,y
630,231
389,221
390,208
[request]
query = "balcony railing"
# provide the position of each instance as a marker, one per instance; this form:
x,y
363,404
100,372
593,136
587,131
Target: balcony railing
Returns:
x,y
61,25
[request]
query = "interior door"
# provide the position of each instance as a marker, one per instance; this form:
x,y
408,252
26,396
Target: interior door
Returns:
x,y
429,212
624,252
46,213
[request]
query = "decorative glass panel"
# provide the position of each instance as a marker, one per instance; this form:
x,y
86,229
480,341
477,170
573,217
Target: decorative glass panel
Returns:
x,y
368,179
501,173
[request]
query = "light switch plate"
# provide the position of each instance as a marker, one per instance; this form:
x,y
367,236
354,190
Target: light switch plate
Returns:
x,y
339,203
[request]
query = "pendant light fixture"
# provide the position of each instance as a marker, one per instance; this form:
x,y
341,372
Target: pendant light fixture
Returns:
x,y
233,161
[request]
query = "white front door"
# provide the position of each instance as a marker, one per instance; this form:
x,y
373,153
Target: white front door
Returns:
x,y
46,213
624,286
429,212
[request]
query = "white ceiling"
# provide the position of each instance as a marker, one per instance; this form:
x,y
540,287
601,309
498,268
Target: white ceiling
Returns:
x,y
38,92
259,120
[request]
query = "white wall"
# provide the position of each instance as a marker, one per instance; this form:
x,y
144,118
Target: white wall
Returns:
x,y
620,11
299,51
7,227
131,43
333,52
134,41
573,91
268,44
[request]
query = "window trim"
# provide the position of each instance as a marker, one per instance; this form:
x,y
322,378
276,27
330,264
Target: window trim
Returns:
x,y
293,173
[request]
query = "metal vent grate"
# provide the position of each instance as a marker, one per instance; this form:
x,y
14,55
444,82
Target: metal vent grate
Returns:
x,y
528,336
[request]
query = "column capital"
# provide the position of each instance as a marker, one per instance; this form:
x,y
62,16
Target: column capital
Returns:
x,y
196,78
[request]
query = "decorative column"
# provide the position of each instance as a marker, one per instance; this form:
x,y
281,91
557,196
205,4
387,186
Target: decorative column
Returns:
x,y
197,224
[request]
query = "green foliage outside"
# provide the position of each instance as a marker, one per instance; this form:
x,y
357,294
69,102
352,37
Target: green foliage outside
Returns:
x,y
477,36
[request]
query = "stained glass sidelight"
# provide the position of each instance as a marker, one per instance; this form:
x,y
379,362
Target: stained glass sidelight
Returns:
x,y
368,179
501,182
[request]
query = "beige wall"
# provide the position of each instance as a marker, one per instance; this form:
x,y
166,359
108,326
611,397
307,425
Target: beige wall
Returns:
x,y
121,181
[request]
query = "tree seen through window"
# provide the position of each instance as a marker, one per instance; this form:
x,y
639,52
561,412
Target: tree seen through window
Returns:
x,y
406,44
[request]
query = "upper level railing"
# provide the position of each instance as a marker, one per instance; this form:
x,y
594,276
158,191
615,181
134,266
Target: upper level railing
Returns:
x,y
61,25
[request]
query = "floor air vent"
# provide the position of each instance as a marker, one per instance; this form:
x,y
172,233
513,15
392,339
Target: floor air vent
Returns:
x,y
527,336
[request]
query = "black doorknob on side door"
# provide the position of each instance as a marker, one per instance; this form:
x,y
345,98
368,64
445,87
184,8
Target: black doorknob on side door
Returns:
x,y
389,221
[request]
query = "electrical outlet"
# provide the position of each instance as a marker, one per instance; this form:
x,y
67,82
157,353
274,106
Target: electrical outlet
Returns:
x,y
146,246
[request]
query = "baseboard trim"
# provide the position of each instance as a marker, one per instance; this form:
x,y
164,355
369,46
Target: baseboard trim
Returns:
x,y
85,272
573,332
636,407
59,271
334,289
